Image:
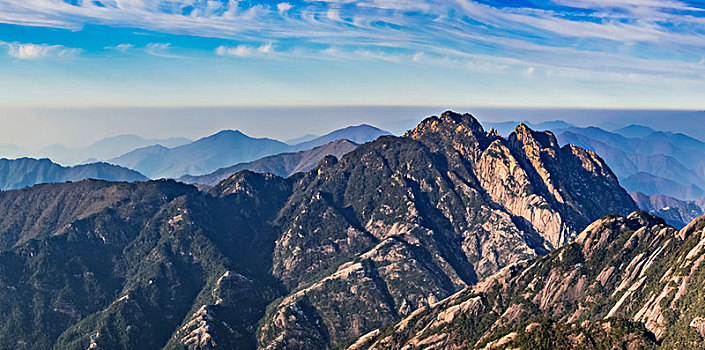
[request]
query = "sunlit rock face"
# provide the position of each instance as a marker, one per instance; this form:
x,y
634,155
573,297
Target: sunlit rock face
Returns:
x,y
315,260
404,222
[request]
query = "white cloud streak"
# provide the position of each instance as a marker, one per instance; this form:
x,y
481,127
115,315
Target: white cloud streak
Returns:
x,y
245,50
28,51
284,7
122,48
609,36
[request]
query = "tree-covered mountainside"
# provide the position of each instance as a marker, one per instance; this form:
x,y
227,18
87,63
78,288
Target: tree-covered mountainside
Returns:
x,y
633,283
311,261
23,172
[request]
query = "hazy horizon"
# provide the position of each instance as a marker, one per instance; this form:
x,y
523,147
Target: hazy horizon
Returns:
x,y
33,128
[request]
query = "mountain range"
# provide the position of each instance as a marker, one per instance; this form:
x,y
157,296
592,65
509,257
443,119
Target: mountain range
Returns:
x,y
315,260
102,150
224,149
283,164
645,160
658,163
677,213
624,283
23,172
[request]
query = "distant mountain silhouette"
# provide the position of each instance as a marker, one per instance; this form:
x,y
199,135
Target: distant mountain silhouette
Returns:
x,y
358,134
102,150
225,149
11,151
650,184
677,213
284,164
635,131
23,172
201,156
305,138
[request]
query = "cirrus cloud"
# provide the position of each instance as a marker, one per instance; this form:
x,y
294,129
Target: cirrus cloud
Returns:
x,y
244,50
550,35
29,51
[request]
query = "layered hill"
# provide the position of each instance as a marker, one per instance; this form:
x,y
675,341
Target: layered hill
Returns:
x,y
647,183
646,160
104,149
358,134
23,172
626,282
202,156
284,164
311,261
225,149
677,213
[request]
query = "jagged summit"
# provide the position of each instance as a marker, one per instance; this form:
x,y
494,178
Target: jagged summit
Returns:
x,y
493,133
525,135
448,121
528,173
589,291
314,260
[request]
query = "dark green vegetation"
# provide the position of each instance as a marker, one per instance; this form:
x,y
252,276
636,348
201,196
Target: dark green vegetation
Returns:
x,y
631,283
122,265
311,261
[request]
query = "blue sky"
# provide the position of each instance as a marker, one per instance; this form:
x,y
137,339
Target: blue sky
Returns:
x,y
556,53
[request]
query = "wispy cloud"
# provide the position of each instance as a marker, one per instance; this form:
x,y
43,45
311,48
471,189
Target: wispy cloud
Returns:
x,y
661,38
245,50
121,47
284,7
160,50
28,51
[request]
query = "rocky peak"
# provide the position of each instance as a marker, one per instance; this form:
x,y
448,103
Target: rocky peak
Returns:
x,y
601,233
457,118
528,173
525,135
451,125
567,288
328,161
697,226
642,218
493,134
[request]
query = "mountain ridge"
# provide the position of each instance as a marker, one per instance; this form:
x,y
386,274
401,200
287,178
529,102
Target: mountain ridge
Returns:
x,y
103,149
315,260
23,172
283,164
627,282
227,148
